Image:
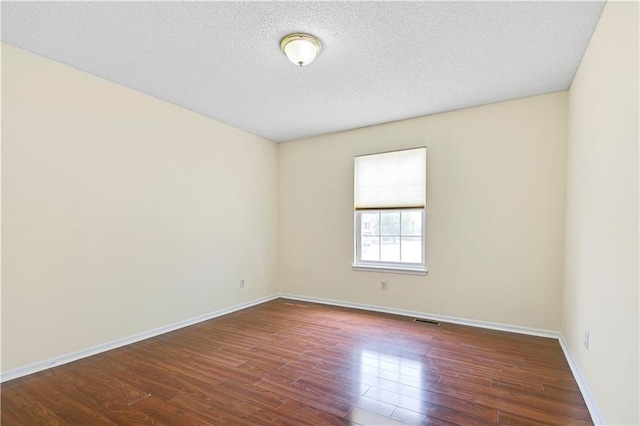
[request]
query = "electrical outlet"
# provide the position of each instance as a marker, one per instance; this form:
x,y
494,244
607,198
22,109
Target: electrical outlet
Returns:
x,y
586,338
241,283
383,285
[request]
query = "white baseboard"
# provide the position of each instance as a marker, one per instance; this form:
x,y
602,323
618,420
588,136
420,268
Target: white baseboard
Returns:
x,y
94,350
596,415
455,320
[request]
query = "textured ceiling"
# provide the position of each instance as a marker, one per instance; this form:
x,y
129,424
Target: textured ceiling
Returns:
x,y
380,61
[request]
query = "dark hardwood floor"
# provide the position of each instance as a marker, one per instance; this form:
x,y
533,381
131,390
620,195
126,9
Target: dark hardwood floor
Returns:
x,y
289,362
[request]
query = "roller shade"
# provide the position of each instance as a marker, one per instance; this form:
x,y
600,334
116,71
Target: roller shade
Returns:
x,y
391,180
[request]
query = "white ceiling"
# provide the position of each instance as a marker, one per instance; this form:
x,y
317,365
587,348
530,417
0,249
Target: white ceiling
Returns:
x,y
380,61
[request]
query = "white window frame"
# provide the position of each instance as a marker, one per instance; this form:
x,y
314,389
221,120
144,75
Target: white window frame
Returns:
x,y
395,267
384,266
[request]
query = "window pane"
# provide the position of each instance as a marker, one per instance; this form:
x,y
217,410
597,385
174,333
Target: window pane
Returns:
x,y
390,237
369,223
412,223
390,250
370,248
390,223
412,249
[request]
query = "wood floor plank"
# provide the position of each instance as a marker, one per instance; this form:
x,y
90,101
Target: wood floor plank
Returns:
x,y
441,412
97,397
254,394
66,408
302,414
163,412
414,418
402,391
26,409
335,406
364,417
286,362
212,413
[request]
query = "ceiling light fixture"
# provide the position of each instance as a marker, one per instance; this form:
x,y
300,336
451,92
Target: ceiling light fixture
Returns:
x,y
301,49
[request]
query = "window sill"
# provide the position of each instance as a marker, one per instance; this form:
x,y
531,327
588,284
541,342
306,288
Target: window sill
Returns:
x,y
390,269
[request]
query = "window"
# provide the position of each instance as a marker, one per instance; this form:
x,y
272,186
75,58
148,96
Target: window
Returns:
x,y
390,191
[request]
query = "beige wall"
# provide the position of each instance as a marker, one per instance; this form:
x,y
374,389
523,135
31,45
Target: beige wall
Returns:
x,y
601,272
122,213
495,214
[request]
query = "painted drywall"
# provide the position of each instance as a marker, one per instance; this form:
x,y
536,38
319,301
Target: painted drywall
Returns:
x,y
495,214
122,213
601,249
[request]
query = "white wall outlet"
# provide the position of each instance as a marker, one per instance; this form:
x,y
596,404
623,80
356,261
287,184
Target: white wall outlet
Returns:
x,y
241,283
586,338
383,285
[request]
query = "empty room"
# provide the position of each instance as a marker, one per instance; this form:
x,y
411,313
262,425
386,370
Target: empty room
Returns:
x,y
364,213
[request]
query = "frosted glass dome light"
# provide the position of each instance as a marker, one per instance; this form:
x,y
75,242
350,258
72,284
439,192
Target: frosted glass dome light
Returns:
x,y
301,49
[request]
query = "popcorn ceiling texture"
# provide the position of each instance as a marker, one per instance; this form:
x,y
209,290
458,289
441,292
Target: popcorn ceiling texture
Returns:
x,y
380,61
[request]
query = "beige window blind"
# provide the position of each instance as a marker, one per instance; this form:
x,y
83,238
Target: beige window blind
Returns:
x,y
391,180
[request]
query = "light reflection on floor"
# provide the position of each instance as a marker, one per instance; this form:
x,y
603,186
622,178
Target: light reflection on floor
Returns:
x,y
390,378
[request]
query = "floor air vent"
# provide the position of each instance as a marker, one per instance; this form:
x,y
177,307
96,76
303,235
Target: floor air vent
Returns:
x,y
426,321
